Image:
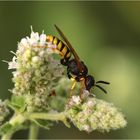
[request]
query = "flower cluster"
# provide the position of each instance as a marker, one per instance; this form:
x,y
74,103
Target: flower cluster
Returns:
x,y
3,111
37,76
94,114
36,71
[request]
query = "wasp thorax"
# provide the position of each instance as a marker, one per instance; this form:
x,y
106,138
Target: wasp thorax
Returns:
x,y
75,69
72,67
84,69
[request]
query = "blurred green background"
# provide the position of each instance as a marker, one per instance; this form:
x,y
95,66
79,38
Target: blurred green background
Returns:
x,y
106,35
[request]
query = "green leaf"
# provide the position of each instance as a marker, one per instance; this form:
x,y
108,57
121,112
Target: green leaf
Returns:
x,y
18,102
7,127
43,123
76,109
67,124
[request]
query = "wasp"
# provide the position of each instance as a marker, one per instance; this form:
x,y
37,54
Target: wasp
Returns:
x,y
76,69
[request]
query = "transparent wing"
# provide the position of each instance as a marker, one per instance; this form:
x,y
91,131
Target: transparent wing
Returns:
x,y
70,47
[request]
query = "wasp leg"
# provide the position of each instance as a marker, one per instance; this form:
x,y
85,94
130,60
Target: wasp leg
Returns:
x,y
68,73
82,86
73,86
73,79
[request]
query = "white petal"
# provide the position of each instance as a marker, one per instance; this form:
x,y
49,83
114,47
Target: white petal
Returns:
x,y
24,42
35,36
42,40
34,39
14,59
12,65
85,94
76,99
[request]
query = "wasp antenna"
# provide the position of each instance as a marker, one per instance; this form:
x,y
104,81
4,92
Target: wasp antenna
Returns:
x,y
101,88
104,82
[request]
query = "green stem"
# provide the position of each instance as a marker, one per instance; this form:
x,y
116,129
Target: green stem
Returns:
x,y
18,119
33,132
6,136
15,121
48,116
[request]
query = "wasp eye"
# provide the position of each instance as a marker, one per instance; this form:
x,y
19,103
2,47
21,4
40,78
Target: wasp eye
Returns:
x,y
89,82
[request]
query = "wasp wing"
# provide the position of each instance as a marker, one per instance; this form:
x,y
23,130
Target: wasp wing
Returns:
x,y
70,47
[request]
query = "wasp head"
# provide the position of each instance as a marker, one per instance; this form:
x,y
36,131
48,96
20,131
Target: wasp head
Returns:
x,y
90,82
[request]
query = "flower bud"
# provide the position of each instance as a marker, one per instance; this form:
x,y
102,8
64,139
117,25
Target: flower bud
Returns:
x,y
94,114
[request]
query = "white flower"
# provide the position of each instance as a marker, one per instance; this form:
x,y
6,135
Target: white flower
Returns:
x,y
75,100
87,128
15,73
41,53
24,42
35,59
13,64
42,40
34,39
38,72
91,103
85,94
95,114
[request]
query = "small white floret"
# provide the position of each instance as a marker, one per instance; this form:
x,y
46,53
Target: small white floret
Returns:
x,y
24,42
76,100
42,40
13,64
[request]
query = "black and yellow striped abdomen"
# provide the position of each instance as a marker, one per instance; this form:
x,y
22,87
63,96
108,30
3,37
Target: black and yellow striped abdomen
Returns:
x,y
60,46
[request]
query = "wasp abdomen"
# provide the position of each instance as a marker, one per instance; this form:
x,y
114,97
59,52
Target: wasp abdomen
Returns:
x,y
60,46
